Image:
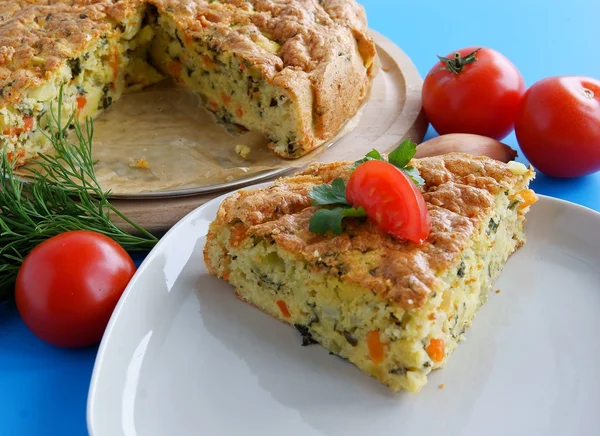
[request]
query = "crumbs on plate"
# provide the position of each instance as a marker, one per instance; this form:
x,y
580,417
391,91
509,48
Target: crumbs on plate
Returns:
x,y
140,163
242,150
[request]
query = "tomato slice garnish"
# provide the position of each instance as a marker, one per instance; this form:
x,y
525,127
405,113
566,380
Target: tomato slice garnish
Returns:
x,y
391,199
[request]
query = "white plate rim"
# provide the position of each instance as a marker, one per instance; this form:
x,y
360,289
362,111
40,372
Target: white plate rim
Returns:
x,y
100,356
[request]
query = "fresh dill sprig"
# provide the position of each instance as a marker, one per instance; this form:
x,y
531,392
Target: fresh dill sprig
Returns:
x,y
61,194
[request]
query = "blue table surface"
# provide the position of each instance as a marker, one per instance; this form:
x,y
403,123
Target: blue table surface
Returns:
x,y
43,390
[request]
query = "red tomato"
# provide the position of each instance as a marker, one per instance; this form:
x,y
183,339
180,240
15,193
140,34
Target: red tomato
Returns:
x,y
474,92
391,199
558,126
69,285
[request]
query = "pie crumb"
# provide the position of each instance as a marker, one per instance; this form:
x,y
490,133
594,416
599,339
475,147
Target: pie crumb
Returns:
x,y
140,163
242,150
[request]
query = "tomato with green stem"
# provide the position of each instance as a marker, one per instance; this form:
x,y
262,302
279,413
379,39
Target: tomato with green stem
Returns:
x,y
473,90
391,199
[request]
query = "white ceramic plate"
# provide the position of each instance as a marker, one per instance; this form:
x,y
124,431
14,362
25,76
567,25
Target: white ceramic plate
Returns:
x,y
182,356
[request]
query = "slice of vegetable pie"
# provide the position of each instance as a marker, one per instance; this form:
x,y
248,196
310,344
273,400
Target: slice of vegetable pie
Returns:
x,y
394,308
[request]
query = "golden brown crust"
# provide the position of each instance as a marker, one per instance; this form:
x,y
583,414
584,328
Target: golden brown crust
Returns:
x,y
459,191
36,38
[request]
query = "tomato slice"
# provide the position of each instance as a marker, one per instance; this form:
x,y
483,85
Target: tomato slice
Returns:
x,y
391,199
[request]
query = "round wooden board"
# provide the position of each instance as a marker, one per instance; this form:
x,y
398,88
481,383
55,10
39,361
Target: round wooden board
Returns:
x,y
392,114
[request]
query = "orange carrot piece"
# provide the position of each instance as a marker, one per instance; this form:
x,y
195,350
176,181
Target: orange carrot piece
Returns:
x,y
208,62
436,350
239,112
529,198
114,64
376,348
174,68
10,155
226,98
81,102
284,309
27,126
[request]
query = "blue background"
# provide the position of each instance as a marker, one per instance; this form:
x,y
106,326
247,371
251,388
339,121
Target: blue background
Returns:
x,y
43,390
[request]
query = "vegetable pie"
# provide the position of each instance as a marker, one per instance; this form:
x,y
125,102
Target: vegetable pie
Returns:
x,y
396,309
293,70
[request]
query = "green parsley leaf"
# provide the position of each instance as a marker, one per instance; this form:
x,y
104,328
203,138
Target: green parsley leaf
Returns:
x,y
414,175
399,157
325,220
324,195
372,155
402,155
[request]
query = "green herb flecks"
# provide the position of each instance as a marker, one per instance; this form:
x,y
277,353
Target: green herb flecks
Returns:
x,y
304,331
351,339
75,66
513,204
461,270
61,195
493,226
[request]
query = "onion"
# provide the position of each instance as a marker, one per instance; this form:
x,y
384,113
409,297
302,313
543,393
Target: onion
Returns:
x,y
475,145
